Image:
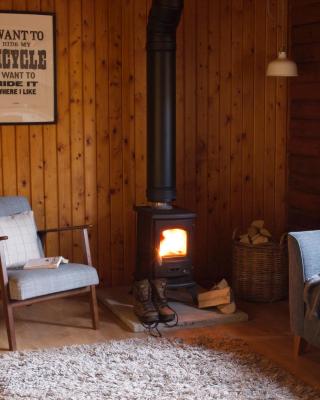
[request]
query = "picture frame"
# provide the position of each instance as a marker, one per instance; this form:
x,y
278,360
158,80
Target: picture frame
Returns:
x,y
27,68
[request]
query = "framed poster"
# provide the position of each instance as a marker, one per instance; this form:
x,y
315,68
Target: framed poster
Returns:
x,y
27,68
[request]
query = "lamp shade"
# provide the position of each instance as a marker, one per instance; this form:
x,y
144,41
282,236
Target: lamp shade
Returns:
x,y
282,66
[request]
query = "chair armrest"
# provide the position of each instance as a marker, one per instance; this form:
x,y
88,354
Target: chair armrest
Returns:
x,y
62,229
296,286
84,229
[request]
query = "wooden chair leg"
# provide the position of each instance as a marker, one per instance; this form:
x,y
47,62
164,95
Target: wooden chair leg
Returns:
x,y
300,345
8,313
7,308
94,308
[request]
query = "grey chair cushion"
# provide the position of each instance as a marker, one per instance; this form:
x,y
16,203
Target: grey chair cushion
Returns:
x,y
22,242
10,205
25,284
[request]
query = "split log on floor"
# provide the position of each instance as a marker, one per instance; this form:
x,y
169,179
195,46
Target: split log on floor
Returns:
x,y
220,285
214,297
227,308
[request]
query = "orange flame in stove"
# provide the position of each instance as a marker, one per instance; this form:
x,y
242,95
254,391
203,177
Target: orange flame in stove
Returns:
x,y
173,243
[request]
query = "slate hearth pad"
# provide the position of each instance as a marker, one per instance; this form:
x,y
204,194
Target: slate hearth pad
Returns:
x,y
119,301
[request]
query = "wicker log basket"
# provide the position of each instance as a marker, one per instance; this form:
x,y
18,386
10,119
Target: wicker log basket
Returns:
x,y
260,271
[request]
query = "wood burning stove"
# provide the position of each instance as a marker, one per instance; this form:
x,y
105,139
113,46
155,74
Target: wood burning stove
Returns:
x,y
165,233
165,246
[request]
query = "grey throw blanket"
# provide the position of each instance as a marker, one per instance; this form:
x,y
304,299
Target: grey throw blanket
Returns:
x,y
312,297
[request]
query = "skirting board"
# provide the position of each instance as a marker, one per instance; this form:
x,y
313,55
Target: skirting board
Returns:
x,y
120,302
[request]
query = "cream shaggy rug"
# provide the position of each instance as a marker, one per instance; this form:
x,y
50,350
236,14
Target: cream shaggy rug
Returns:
x,y
147,369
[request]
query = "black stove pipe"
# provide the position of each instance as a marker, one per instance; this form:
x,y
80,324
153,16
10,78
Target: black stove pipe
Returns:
x,y
163,21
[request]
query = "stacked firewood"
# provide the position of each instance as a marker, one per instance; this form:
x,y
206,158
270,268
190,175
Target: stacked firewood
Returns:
x,y
220,296
257,234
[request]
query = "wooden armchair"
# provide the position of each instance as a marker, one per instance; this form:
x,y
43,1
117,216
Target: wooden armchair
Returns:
x,y
21,287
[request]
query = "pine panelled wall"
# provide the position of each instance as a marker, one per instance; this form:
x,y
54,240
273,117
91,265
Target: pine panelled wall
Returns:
x,y
91,166
304,141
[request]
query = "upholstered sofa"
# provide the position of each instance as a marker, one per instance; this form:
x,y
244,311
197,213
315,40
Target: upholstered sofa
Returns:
x,y
304,263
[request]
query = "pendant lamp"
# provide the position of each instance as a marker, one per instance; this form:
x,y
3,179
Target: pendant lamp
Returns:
x,y
282,66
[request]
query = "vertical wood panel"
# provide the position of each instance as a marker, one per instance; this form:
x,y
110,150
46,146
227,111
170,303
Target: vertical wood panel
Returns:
x,y
248,107
225,133
63,139
115,129
89,123
140,108
103,141
213,136
281,131
50,171
237,114
202,137
259,108
270,99
128,138
303,143
231,127
76,123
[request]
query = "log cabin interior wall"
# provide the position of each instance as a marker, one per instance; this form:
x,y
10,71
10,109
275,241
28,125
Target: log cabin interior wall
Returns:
x,y
304,139
231,128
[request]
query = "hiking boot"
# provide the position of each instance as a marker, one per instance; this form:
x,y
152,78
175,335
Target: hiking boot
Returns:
x,y
143,306
166,314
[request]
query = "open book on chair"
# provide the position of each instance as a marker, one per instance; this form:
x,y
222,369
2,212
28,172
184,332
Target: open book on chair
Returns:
x,y
45,263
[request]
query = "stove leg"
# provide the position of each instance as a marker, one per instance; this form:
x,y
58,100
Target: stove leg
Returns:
x,y
194,294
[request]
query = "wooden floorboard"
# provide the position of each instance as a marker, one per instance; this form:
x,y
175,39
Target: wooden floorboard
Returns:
x,y
67,322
